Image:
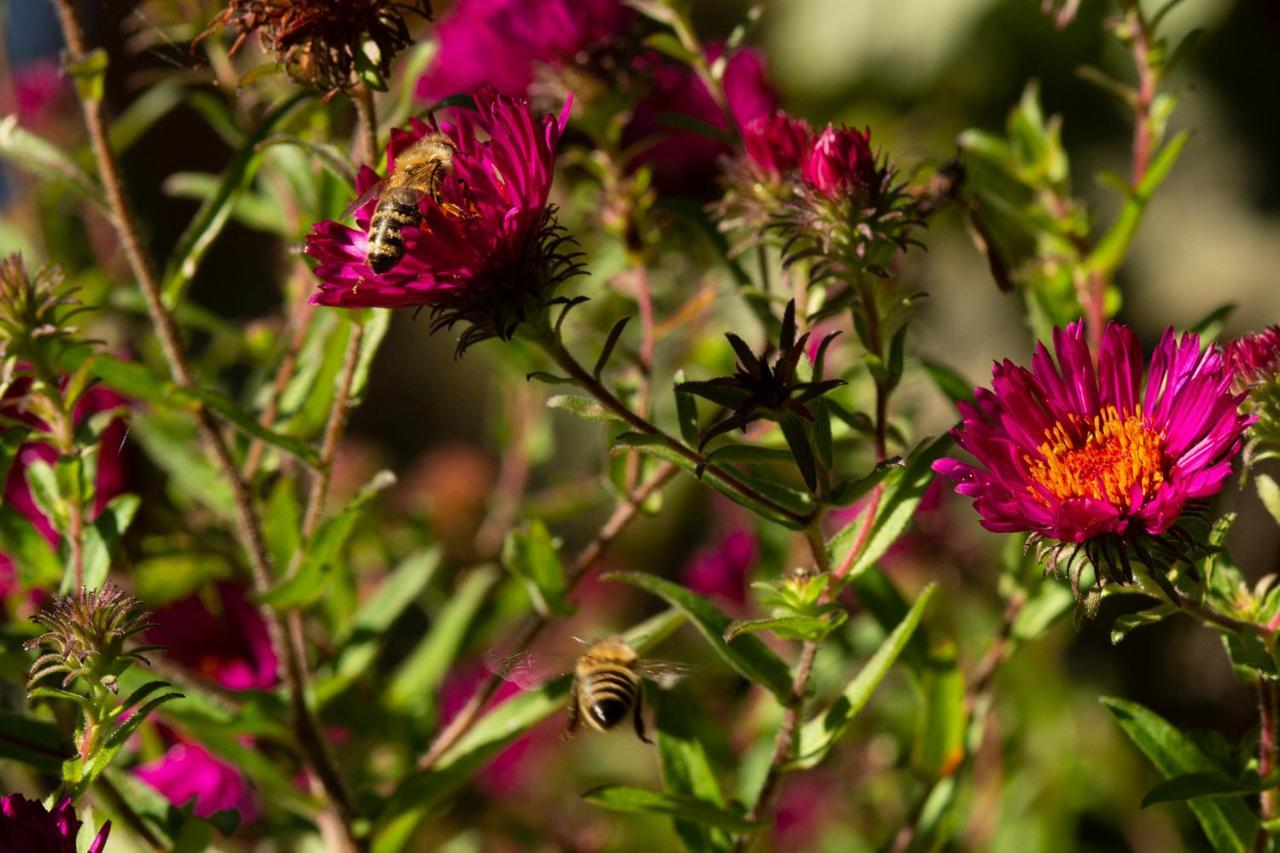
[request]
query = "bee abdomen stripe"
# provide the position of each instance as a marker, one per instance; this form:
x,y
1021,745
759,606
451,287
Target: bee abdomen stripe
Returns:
x,y
383,214
617,678
377,248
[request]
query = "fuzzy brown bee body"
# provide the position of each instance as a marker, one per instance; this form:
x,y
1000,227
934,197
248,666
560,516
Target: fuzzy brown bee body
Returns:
x,y
419,172
606,688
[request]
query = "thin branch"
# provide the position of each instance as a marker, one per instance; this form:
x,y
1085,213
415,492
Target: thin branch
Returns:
x,y
248,529
1267,746
623,513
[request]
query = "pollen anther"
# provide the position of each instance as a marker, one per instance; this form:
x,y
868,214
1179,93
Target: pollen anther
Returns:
x,y
1102,460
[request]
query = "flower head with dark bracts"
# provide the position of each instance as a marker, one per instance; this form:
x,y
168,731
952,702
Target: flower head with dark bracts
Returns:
x,y
511,44
767,386
324,43
1106,458
760,183
85,636
490,254
840,162
27,827
35,312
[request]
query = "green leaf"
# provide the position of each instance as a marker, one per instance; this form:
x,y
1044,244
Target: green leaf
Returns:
x,y
623,798
376,325
819,735
101,539
795,503
425,789
89,73
1269,492
323,551
414,683
939,743
1129,622
609,343
548,378
745,653
1192,785
176,827
213,214
897,507
114,740
1049,603
374,618
686,411
35,560
583,407
38,743
948,381
848,492
1228,823
531,555
798,440
47,162
686,770
786,627
153,104
1210,325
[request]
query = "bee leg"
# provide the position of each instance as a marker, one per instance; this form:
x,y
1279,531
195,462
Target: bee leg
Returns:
x,y
639,716
571,727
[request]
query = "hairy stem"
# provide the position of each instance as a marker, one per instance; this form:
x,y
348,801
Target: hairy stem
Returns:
x,y
248,528
623,513
1267,747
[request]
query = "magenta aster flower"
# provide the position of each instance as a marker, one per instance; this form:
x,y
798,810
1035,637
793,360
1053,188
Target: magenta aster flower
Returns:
x,y
504,43
777,143
190,772
27,827
489,253
840,161
227,643
683,161
722,570
1099,456
1254,359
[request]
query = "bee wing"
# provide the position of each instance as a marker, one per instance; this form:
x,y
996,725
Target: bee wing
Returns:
x,y
365,197
665,673
528,670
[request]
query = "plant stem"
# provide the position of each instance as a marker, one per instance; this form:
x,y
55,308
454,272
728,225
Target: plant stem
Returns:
x,y
623,513
367,121
247,527
298,327
1267,746
583,378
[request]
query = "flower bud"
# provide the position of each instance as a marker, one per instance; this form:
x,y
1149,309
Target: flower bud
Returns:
x,y
776,143
840,161
85,636
1254,359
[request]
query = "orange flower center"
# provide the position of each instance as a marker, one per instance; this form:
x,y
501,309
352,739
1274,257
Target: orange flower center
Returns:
x,y
1105,462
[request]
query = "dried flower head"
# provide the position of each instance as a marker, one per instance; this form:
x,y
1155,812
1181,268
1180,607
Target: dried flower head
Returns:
x,y
487,252
35,312
85,636
324,43
1102,459
767,386
27,827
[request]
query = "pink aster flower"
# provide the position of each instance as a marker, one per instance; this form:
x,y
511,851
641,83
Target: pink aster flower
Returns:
x,y
840,161
39,85
684,161
777,143
27,827
189,772
722,570
228,644
489,253
504,43
1254,359
1082,454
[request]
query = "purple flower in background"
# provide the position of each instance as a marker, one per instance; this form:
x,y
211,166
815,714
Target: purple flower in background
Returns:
x,y
38,86
1074,451
111,465
777,143
1254,359
189,772
27,827
684,161
228,645
502,43
721,571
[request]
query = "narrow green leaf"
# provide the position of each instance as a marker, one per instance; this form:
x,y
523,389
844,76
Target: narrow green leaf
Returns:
x,y
623,798
1269,492
1114,245
101,539
745,653
686,771
376,325
801,451
1210,325
89,73
939,743
413,685
401,588
213,215
686,411
1228,823
786,627
177,828
531,555
849,492
35,560
46,161
609,343
796,503
583,407
817,736
323,550
153,104
40,744
1191,785
948,381
1129,622
548,378
896,508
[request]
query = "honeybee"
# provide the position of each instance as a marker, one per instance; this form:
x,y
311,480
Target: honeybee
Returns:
x,y
607,683
420,170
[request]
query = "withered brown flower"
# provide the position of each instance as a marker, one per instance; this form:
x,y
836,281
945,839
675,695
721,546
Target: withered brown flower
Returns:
x,y
323,43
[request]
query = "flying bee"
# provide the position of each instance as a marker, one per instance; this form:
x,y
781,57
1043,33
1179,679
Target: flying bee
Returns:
x,y
607,683
419,172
